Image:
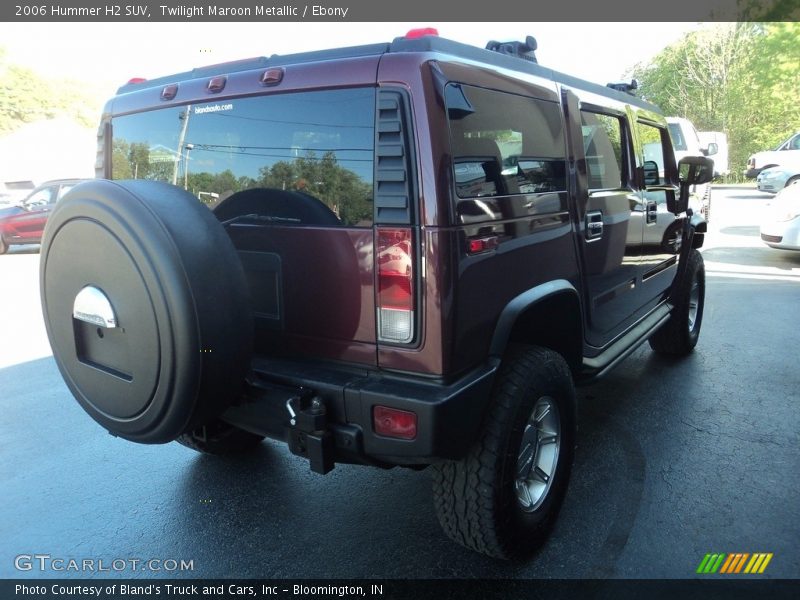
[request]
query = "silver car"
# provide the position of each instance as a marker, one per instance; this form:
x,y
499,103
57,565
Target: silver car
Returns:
x,y
781,228
775,179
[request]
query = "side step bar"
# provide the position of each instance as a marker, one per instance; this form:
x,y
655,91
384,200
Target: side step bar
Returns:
x,y
596,367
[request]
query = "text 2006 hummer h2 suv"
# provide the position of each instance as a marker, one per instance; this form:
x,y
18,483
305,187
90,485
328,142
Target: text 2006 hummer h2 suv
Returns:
x,y
394,254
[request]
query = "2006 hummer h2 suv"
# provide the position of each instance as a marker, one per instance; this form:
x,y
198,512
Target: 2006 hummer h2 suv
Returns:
x,y
394,254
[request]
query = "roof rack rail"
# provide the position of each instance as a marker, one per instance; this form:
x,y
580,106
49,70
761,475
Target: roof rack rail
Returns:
x,y
525,50
628,88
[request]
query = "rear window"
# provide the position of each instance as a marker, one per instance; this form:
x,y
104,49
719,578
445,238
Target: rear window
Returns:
x,y
317,146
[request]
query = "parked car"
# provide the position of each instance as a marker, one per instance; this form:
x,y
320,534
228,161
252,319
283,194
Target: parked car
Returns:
x,y
24,224
787,154
775,179
472,236
781,227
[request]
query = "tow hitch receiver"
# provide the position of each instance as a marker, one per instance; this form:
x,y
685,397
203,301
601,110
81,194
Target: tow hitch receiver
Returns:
x,y
308,434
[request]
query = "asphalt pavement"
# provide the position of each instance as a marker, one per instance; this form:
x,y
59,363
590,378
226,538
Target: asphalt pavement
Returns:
x,y
675,459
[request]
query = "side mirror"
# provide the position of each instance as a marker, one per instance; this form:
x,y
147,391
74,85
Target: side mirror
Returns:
x,y
692,170
712,149
650,173
695,170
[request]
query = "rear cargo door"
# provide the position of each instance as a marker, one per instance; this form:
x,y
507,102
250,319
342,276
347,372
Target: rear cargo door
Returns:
x,y
291,177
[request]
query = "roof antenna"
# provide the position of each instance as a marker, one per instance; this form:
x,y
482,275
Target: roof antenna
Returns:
x,y
525,50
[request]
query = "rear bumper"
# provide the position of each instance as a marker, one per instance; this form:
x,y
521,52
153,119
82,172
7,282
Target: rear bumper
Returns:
x,y
449,415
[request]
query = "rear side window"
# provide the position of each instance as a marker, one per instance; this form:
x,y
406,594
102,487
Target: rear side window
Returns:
x,y
309,149
504,144
602,145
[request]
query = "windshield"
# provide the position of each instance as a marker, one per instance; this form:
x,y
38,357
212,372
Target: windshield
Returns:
x,y
316,144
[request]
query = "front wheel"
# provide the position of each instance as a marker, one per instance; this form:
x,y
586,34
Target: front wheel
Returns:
x,y
679,335
503,497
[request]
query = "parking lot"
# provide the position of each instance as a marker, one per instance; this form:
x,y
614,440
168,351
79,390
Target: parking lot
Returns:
x,y
675,459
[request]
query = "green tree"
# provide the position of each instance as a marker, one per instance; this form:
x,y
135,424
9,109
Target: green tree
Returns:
x,y
26,97
739,78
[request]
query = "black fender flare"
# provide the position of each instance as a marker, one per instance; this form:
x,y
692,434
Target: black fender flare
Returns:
x,y
528,300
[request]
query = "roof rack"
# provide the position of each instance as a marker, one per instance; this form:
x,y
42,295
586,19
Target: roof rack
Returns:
x,y
525,50
628,88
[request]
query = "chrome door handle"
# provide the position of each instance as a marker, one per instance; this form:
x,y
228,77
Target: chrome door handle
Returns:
x,y
594,225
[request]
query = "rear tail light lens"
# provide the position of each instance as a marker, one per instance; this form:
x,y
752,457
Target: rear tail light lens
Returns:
x,y
395,262
395,423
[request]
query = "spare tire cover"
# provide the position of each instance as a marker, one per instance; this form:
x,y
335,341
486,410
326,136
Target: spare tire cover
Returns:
x,y
177,341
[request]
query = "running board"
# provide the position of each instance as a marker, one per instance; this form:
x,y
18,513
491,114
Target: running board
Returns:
x,y
596,367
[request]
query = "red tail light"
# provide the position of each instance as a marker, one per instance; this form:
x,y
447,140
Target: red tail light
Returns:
x,y
393,422
395,264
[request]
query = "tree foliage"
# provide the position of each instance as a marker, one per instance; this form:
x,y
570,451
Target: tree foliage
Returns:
x,y
339,188
26,97
739,78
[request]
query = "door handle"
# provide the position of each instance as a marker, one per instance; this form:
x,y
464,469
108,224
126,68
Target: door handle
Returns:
x,y
651,212
594,225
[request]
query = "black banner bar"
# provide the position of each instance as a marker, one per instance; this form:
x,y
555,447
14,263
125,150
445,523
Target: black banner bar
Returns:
x,y
505,589
371,10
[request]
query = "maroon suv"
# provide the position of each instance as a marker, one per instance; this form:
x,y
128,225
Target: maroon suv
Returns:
x,y
402,254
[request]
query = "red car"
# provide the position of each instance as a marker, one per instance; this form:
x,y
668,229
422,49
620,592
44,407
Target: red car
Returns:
x,y
25,223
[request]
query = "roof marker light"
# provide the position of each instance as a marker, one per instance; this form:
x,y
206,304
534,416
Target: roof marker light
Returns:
x,y
271,76
216,84
169,91
414,34
134,80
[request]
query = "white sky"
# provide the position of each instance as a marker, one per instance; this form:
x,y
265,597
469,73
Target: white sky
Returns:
x,y
108,54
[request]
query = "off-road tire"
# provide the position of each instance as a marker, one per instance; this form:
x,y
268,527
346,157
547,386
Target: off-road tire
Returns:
x,y
475,497
679,335
220,438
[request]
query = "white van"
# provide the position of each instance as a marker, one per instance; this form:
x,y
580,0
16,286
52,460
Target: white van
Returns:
x,y
686,142
707,138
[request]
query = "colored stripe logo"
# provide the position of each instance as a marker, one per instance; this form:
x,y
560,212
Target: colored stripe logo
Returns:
x,y
734,563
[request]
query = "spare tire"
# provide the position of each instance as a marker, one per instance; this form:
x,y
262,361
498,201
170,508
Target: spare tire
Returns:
x,y
146,306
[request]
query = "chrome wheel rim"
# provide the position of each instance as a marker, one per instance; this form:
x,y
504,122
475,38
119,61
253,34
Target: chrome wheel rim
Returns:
x,y
538,455
694,303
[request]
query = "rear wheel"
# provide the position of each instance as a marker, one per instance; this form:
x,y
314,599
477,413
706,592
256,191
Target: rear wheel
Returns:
x,y
680,333
503,497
